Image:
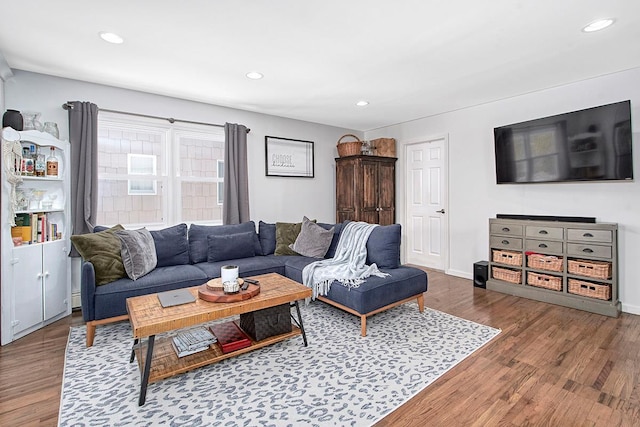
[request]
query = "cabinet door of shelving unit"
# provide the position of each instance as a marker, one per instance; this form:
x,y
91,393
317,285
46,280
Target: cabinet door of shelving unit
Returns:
x,y
27,288
55,283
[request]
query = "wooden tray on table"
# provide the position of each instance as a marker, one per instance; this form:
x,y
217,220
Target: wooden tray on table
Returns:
x,y
212,291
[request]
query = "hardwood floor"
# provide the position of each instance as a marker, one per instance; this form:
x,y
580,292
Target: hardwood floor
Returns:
x,y
550,366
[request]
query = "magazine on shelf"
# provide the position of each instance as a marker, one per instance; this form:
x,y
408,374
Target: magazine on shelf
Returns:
x,y
192,341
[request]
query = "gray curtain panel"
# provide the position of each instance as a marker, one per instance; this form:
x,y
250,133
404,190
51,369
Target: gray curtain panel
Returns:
x,y
83,137
235,209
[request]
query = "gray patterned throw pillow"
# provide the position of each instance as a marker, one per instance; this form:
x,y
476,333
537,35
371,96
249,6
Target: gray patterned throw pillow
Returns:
x,y
313,240
138,252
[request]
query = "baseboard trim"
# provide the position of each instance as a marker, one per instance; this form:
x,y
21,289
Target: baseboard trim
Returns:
x,y
457,273
631,309
75,300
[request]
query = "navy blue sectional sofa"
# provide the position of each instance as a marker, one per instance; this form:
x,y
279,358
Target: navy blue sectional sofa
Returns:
x,y
184,260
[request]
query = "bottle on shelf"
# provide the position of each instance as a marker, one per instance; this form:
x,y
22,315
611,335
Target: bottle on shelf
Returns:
x,y
52,163
27,161
40,163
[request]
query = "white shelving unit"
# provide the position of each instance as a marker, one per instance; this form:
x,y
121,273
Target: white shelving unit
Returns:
x,y
36,277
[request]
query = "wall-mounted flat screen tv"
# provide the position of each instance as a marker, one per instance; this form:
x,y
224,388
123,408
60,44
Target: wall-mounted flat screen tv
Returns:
x,y
586,145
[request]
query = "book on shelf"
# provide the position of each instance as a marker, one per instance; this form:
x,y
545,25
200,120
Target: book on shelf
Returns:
x,y
230,336
192,341
35,228
182,353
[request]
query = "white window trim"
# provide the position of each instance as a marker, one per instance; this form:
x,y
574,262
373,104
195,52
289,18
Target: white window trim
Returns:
x,y
169,181
153,190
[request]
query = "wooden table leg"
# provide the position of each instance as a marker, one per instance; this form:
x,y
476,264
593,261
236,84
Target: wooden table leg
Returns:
x,y
147,369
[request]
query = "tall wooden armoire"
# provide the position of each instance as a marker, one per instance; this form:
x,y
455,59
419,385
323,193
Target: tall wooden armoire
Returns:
x,y
365,189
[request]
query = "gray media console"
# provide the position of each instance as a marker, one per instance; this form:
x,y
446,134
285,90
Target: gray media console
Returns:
x,y
573,264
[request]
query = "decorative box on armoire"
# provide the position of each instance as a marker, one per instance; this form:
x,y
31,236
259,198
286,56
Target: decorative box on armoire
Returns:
x,y
365,189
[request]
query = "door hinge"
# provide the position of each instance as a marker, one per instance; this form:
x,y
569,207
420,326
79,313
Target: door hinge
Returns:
x,y
14,261
15,323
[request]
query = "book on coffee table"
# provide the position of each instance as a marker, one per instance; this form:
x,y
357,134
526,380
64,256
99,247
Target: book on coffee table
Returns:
x,y
192,341
230,336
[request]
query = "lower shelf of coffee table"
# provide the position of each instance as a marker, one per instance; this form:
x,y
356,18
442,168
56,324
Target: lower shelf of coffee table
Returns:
x,y
166,363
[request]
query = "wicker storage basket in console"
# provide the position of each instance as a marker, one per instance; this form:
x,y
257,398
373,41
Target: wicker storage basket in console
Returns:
x,y
544,262
507,257
590,268
544,281
512,276
592,290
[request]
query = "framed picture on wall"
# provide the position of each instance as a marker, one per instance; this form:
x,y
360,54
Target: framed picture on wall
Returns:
x,y
288,157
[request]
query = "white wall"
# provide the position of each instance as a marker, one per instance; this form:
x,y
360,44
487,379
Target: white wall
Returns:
x,y
271,198
474,196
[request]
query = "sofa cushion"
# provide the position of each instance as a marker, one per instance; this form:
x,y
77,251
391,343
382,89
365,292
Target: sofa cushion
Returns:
x,y
102,249
383,246
199,245
247,266
377,292
286,234
267,234
313,240
111,299
172,246
294,265
138,252
230,246
337,228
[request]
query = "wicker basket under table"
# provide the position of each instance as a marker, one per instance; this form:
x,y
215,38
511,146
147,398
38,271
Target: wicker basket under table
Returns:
x,y
588,289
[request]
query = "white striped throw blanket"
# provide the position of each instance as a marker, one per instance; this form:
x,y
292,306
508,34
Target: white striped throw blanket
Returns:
x,y
348,266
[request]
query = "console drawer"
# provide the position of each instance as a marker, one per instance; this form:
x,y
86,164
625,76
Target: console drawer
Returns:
x,y
507,229
543,246
586,235
505,242
589,250
544,232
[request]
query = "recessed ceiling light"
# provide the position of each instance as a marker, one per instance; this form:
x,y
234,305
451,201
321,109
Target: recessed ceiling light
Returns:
x,y
254,75
598,25
362,103
111,37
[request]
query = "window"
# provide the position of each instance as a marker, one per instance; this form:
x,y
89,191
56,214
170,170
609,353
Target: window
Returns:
x,y
155,174
220,181
142,164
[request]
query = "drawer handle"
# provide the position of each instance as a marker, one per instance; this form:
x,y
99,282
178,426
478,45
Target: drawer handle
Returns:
x,y
587,235
505,242
542,232
542,245
506,229
588,250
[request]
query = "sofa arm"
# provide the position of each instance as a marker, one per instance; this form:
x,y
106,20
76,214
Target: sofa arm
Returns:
x,y
87,291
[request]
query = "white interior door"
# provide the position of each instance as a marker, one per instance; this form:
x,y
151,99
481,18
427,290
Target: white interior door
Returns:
x,y
426,201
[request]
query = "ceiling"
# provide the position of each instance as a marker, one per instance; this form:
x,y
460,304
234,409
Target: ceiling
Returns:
x,y
409,59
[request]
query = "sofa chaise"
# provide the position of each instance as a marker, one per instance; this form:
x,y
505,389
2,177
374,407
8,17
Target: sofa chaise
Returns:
x,y
190,256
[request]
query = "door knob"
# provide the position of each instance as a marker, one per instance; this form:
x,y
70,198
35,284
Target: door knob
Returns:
x,y
440,211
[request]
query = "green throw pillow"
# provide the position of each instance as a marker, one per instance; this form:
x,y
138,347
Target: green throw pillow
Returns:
x,y
286,234
103,251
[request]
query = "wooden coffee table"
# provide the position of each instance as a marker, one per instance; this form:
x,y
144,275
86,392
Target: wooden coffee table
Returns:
x,y
157,359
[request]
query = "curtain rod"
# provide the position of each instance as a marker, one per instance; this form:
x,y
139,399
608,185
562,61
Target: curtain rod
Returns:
x,y
69,106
